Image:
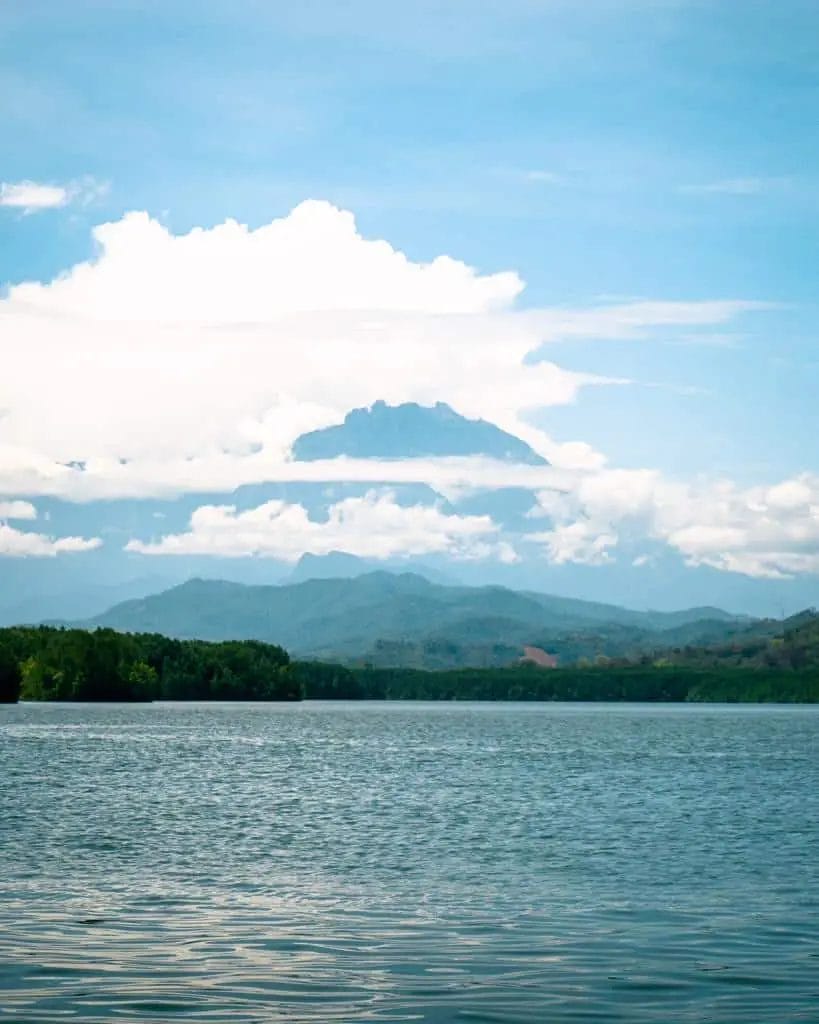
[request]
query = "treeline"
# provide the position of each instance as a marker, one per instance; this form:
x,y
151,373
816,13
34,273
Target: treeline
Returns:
x,y
529,683
45,663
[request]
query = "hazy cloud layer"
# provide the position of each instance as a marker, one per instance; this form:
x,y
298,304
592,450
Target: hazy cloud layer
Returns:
x,y
769,532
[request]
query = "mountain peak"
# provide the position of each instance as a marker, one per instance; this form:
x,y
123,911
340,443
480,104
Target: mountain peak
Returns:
x,y
410,430
343,565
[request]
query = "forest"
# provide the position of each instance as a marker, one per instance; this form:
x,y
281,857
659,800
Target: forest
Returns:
x,y
47,663
56,664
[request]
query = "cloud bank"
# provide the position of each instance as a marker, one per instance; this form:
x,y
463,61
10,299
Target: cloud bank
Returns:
x,y
371,526
763,532
222,345
769,532
190,363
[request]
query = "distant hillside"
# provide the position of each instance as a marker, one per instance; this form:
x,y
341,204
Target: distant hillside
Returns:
x,y
766,643
38,604
411,430
341,565
390,619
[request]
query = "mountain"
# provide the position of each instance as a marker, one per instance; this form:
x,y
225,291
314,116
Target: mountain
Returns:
x,y
342,565
335,565
387,618
792,643
38,604
410,430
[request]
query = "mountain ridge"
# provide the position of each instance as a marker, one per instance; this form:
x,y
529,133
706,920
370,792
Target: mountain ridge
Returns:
x,y
410,430
437,625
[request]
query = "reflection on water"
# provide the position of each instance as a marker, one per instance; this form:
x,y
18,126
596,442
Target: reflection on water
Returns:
x,y
383,862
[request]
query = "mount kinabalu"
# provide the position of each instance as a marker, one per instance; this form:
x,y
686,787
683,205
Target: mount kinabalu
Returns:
x,y
388,619
410,431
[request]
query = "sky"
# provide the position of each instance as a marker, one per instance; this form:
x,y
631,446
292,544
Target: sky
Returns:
x,y
596,225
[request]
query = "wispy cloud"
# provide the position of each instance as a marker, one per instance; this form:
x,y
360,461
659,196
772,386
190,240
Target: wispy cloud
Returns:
x,y
732,187
518,175
30,196
541,177
712,339
33,196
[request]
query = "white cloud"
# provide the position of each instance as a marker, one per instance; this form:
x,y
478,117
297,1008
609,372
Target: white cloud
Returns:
x,y
172,364
790,495
371,526
732,186
32,196
578,542
756,531
18,544
17,510
192,362
108,478
541,177
759,531
313,260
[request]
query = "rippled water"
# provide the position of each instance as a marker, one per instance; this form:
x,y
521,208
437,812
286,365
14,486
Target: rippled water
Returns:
x,y
397,862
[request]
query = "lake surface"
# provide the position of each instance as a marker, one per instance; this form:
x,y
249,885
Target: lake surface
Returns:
x,y
409,862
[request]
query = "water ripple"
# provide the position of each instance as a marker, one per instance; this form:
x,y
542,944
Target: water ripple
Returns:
x,y
376,862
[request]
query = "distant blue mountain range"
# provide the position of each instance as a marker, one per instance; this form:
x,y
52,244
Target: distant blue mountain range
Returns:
x,y
385,618
411,431
80,586
338,565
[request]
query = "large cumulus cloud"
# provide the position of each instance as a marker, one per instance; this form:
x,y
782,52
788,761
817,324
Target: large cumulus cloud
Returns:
x,y
172,363
199,358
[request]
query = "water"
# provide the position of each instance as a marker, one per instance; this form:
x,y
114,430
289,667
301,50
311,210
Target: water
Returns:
x,y
409,862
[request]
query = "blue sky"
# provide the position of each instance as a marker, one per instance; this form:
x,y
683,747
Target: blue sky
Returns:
x,y
617,151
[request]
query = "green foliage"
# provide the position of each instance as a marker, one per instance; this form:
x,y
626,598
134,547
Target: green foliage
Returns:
x,y
45,663
321,681
103,665
757,686
143,681
529,682
10,676
387,620
631,682
777,647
